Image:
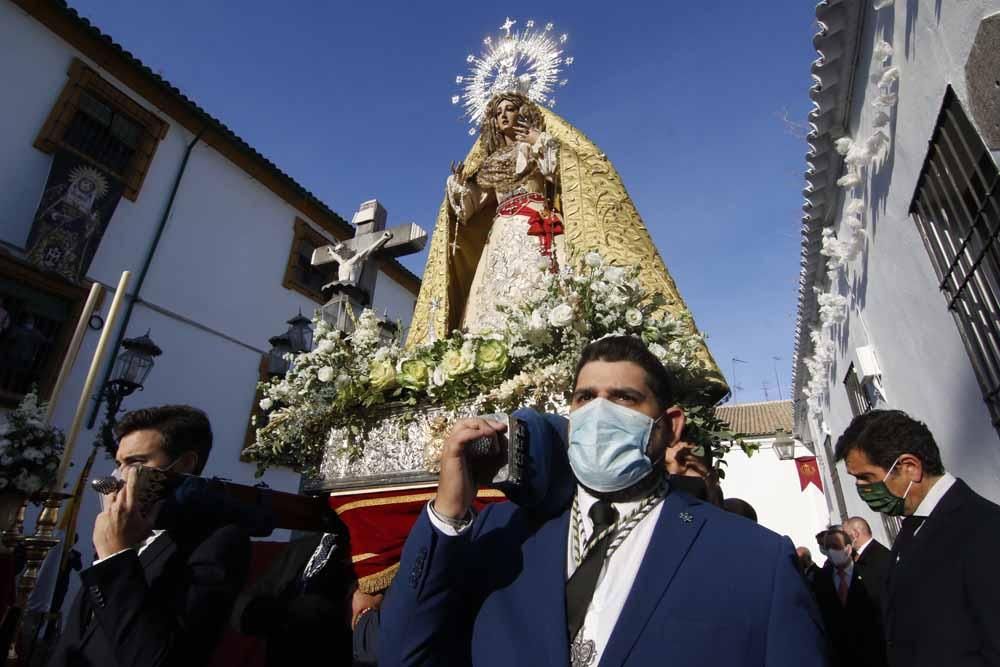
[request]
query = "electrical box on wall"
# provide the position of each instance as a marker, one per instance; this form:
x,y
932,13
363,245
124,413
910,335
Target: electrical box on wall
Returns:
x,y
867,368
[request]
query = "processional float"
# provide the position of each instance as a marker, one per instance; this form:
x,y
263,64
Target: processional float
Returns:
x,y
537,250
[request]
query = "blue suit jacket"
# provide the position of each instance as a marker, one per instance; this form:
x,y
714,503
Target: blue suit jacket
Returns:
x,y
713,589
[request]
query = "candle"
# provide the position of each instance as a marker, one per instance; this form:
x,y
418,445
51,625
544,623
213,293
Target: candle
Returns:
x,y
88,385
74,348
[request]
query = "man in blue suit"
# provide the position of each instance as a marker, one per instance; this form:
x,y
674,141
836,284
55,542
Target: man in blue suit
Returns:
x,y
624,572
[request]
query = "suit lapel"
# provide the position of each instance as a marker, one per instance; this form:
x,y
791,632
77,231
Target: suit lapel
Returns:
x,y
675,532
922,543
551,545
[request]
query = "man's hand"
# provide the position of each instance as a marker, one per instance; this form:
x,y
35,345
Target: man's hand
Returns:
x,y
456,488
122,525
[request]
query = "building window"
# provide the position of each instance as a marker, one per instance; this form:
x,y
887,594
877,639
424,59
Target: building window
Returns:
x,y
300,274
95,120
856,395
863,398
838,491
957,209
38,313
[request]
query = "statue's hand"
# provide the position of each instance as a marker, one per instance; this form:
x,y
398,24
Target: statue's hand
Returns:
x,y
526,133
458,171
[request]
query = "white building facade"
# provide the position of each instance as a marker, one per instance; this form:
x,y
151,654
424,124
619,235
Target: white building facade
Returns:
x,y
897,301
221,234
768,479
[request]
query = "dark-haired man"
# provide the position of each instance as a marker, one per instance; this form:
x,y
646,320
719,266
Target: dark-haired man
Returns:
x,y
627,573
154,597
942,603
850,611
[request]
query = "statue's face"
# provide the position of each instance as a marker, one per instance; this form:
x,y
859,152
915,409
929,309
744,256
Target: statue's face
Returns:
x,y
506,117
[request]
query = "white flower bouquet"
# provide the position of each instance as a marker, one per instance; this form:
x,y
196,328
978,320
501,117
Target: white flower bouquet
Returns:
x,y
30,449
341,383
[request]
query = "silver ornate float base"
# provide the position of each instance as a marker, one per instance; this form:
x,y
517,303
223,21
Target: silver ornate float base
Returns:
x,y
402,448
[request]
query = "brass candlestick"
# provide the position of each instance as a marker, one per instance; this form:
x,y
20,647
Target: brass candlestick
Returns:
x,y
36,548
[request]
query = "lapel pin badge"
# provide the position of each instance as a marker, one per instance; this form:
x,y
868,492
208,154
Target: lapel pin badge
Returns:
x,y
686,517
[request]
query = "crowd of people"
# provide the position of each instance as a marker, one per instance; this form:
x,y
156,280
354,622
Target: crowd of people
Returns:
x,y
628,554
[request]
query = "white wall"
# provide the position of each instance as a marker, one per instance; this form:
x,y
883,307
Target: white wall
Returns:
x,y
773,488
213,293
895,303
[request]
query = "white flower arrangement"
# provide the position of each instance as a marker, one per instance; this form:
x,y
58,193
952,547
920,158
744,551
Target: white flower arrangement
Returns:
x,y
30,449
531,363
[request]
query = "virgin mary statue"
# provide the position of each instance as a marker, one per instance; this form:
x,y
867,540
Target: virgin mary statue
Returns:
x,y
532,195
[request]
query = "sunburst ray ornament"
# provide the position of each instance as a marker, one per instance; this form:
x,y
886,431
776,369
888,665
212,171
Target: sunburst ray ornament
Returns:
x,y
527,61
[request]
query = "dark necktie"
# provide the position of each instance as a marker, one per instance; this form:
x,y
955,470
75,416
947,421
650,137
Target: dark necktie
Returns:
x,y
906,533
580,587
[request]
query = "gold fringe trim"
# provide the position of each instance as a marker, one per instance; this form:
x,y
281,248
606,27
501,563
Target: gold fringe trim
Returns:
x,y
378,582
414,497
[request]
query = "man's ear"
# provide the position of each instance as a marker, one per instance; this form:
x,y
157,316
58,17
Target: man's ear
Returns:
x,y
674,421
187,462
913,467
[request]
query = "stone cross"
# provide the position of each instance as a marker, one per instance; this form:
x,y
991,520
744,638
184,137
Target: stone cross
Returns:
x,y
358,259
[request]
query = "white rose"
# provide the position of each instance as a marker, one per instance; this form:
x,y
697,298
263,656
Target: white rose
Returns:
x,y
325,374
561,315
659,351
342,380
266,403
614,274
593,259
325,347
438,378
633,317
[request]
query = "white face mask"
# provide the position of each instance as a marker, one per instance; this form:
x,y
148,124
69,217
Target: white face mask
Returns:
x,y
840,557
607,445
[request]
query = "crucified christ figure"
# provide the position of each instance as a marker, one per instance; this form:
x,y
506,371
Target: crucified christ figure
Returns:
x,y
351,262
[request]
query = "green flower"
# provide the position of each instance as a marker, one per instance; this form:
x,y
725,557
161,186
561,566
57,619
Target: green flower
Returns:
x,y
491,357
382,375
413,374
454,363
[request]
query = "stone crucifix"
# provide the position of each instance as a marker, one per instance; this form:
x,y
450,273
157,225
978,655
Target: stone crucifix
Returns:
x,y
358,257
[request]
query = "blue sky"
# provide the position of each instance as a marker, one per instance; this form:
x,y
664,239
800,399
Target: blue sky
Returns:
x,y
686,98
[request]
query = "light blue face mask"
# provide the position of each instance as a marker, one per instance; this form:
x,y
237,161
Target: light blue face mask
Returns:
x,y
607,445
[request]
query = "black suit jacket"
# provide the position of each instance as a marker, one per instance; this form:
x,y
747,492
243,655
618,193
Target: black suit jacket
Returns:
x,y
167,606
873,567
299,621
854,630
943,595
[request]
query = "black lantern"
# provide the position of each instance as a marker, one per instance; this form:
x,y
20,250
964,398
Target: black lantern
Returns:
x,y
130,371
277,361
300,333
132,366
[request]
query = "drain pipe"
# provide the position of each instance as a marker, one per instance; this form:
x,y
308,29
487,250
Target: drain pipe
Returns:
x,y
138,283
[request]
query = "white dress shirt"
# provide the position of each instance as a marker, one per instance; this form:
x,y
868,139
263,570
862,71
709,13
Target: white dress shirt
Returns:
x,y
933,497
142,546
860,550
618,575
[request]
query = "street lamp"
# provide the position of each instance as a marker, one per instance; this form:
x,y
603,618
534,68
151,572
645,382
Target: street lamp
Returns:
x,y
130,371
300,333
784,445
277,362
298,339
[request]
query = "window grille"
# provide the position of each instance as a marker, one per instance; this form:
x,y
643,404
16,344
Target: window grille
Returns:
x,y
103,134
957,209
856,394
